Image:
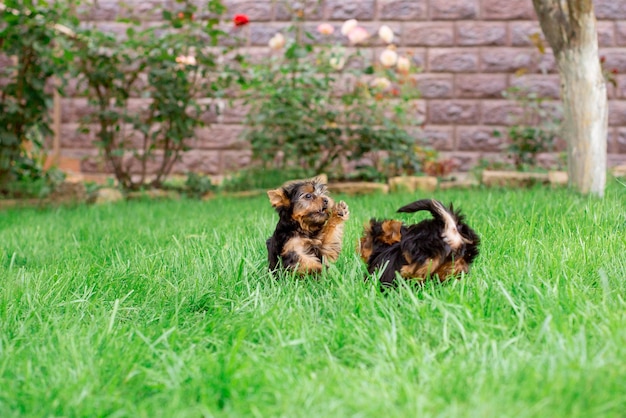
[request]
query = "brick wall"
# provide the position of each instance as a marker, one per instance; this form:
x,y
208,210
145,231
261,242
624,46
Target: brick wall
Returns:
x,y
469,50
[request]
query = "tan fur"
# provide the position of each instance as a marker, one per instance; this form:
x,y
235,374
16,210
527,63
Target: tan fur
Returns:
x,y
304,247
392,230
434,267
420,271
439,248
366,243
277,198
450,235
332,233
320,223
391,234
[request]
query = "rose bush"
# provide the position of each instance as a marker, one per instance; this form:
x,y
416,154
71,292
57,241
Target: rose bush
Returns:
x,y
30,56
313,108
173,70
318,106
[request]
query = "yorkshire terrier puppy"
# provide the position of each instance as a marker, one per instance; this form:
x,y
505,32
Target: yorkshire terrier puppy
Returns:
x,y
441,247
310,227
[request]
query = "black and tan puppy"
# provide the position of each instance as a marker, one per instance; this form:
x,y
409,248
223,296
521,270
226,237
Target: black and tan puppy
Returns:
x,y
310,227
441,247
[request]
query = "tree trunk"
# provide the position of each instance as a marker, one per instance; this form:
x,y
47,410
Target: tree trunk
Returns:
x,y
570,29
585,118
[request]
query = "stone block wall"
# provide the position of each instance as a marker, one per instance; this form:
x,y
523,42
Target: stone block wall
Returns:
x,y
469,52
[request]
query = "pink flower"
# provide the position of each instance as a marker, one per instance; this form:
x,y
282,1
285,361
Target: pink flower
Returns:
x,y
240,20
184,60
325,29
358,35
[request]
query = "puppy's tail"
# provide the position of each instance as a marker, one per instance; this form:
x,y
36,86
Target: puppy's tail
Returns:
x,y
450,220
435,207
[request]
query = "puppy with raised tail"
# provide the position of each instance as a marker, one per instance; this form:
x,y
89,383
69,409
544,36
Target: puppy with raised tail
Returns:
x,y
441,247
310,225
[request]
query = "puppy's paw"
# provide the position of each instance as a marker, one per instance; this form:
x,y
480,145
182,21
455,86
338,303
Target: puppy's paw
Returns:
x,y
341,211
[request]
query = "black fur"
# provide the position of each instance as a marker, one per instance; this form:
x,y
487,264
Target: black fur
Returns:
x,y
286,228
309,229
385,257
421,242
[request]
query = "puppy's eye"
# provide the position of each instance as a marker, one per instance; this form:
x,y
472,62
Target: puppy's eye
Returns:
x,y
308,196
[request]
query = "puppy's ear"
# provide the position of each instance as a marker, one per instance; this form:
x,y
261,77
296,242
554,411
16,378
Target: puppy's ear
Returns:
x,y
278,199
320,178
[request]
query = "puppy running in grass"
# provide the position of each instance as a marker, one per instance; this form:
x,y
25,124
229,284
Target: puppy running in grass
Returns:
x,y
310,227
442,247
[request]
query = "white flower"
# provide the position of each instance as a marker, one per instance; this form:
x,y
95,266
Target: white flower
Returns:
x,y
386,34
348,25
325,29
277,42
381,83
358,35
106,52
337,58
404,64
388,58
337,62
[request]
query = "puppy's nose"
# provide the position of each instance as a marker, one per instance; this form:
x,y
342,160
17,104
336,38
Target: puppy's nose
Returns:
x,y
325,201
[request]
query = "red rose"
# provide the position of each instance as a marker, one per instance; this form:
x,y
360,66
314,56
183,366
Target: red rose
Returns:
x,y
240,20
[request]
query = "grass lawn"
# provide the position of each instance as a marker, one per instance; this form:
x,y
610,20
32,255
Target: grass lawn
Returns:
x,y
165,309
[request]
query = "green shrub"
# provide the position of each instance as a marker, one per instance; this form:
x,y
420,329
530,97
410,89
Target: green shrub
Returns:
x,y
34,52
535,129
173,66
322,109
198,185
260,178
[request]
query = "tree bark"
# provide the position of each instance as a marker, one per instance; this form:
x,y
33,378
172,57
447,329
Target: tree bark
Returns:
x,y
570,28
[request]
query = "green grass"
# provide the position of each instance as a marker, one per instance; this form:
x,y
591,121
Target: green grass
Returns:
x,y
165,309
